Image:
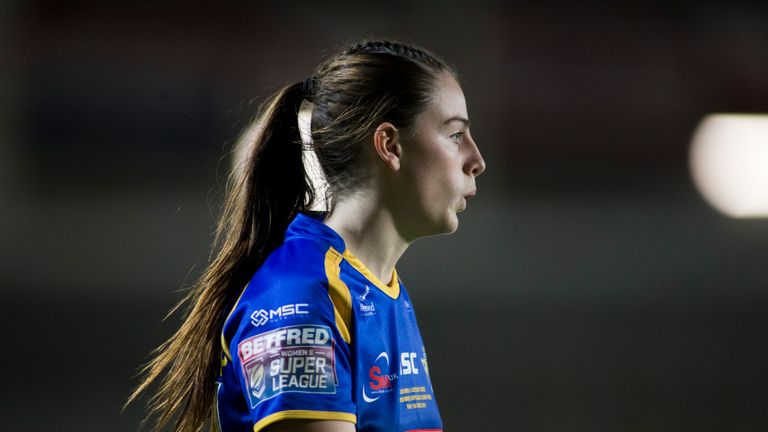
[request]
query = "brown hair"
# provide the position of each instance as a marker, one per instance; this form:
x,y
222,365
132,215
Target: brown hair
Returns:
x,y
353,92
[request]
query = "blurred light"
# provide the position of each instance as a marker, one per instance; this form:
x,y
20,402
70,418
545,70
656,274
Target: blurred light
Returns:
x,y
729,163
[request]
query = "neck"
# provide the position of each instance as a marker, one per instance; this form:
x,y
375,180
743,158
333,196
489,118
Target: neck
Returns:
x,y
369,232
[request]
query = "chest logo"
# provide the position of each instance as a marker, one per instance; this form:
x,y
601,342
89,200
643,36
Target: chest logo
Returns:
x,y
367,307
381,380
365,294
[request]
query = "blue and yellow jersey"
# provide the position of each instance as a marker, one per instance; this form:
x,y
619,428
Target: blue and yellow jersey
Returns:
x,y
315,335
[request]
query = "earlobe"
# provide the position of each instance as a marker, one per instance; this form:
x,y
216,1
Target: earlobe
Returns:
x,y
386,141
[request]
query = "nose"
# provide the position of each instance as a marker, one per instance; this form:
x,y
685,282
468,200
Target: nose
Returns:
x,y
475,164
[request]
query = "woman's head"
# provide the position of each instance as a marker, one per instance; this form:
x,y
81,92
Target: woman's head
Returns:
x,y
357,90
400,91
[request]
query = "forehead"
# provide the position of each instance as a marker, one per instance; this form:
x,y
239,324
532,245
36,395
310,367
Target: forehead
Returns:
x,y
447,102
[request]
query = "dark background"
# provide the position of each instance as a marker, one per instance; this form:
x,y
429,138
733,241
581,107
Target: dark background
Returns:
x,y
589,287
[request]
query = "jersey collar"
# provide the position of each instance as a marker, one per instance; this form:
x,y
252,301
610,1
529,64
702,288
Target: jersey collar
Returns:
x,y
311,225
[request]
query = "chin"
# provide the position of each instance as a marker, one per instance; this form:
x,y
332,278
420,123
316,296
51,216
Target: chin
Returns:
x,y
454,225
449,225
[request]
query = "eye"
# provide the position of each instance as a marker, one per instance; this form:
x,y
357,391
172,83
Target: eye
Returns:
x,y
457,136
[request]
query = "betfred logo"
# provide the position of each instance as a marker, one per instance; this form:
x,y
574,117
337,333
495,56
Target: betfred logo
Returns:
x,y
285,337
263,316
288,359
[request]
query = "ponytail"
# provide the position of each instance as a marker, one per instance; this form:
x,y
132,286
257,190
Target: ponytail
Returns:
x,y
350,94
262,197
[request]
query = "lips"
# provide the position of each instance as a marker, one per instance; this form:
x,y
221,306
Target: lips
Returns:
x,y
471,193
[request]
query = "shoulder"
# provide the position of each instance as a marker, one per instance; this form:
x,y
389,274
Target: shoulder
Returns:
x,y
296,260
291,284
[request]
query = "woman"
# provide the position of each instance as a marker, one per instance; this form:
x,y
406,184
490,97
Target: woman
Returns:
x,y
323,336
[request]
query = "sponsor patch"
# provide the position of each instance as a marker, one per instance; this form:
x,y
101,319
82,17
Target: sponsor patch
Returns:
x,y
263,316
289,359
381,379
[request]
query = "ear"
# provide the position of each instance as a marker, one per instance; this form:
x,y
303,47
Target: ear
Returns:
x,y
387,144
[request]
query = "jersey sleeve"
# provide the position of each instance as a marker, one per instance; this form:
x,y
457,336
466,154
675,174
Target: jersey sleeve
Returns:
x,y
289,354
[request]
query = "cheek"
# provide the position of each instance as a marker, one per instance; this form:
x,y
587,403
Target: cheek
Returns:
x,y
434,177
439,184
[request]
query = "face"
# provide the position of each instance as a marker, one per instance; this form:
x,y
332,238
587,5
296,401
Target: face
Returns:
x,y
439,163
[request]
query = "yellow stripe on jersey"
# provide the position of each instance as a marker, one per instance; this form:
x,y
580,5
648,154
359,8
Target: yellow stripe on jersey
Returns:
x,y
392,290
303,415
338,291
224,343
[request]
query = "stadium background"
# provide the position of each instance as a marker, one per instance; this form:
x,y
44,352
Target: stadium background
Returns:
x,y
589,288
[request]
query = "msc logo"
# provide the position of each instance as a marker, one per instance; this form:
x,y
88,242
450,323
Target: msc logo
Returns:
x,y
408,364
263,316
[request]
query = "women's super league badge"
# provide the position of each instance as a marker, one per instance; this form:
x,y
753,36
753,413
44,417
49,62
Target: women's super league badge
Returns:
x,y
288,359
256,380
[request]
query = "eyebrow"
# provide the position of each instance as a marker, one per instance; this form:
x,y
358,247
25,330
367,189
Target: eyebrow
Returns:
x,y
459,119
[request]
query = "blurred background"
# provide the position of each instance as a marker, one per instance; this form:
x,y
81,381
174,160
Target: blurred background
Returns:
x,y
590,287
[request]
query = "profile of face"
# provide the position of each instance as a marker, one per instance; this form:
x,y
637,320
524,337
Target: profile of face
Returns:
x,y
438,164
